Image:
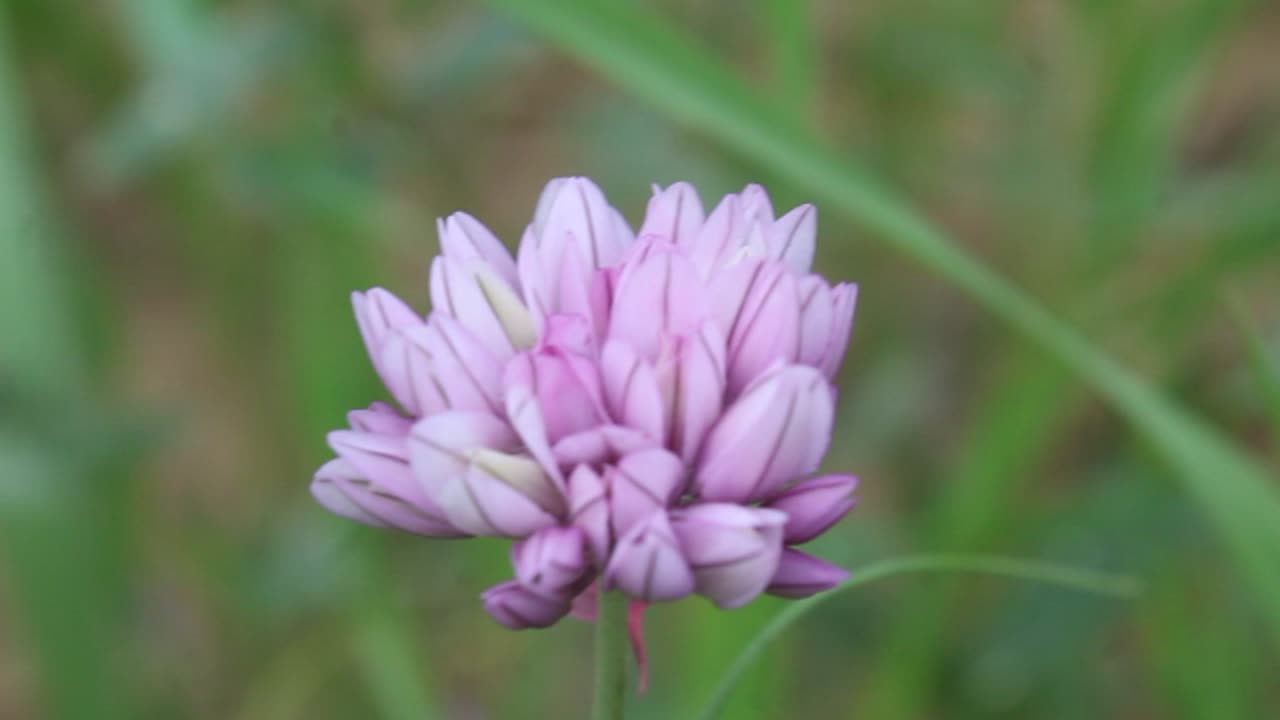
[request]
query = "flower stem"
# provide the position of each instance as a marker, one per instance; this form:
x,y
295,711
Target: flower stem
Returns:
x,y
611,656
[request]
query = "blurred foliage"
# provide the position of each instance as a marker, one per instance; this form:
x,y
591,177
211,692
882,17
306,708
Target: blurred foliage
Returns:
x,y
191,188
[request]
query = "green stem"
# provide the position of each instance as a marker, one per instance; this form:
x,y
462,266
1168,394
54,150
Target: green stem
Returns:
x,y
1080,579
611,656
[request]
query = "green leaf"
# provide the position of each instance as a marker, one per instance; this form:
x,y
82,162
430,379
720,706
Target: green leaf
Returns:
x,y
63,505
1080,579
789,27
672,72
39,346
1265,369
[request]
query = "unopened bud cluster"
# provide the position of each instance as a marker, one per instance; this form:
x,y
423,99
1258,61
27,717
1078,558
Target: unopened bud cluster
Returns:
x,y
639,410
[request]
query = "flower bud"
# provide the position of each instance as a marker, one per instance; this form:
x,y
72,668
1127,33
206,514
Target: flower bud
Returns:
x,y
800,575
467,240
379,418
378,312
733,550
574,234
552,562
589,511
656,296
565,387
501,494
631,390
757,306
440,445
440,366
817,318
690,373
791,238
343,490
814,505
647,562
519,608
382,458
844,298
600,445
373,474
674,214
775,432
641,483
575,211
734,230
484,303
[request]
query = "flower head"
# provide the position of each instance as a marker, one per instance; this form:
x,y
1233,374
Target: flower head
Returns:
x,y
637,411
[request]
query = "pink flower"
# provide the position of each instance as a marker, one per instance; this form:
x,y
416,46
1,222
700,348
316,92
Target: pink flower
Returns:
x,y
636,412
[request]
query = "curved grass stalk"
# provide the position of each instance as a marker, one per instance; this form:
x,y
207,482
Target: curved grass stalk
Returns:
x,y
1070,577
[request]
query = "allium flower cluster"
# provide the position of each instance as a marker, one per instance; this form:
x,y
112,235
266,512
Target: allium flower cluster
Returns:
x,y
640,410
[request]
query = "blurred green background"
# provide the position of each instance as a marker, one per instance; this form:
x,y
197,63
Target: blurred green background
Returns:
x,y
190,189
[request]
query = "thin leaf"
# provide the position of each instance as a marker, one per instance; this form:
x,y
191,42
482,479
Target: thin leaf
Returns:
x,y
1265,368
789,27
36,323
669,70
1077,578
63,505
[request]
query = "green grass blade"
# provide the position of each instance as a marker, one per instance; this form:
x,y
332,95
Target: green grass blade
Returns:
x,y
1017,421
389,660
63,514
1076,578
793,43
1266,370
39,345
670,71
1138,136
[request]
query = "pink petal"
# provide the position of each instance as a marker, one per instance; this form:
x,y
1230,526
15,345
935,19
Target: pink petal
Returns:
x,y
691,379
589,511
631,390
552,562
776,431
792,238
580,210
813,506
440,445
566,387
599,445
733,550
845,297
756,205
343,490
482,501
526,418
641,483
466,239
659,295
801,575
647,563
484,303
518,608
379,418
674,214
719,239
817,315
757,307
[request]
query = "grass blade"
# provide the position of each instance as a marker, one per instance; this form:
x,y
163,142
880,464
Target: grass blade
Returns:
x,y
670,71
1076,578
793,43
1265,369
